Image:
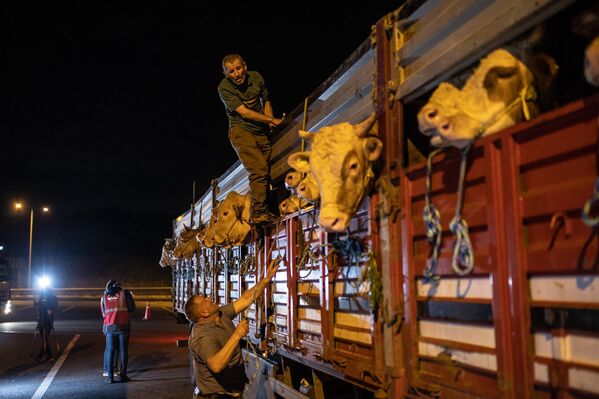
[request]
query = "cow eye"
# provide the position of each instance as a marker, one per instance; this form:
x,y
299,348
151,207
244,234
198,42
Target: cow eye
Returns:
x,y
353,166
225,213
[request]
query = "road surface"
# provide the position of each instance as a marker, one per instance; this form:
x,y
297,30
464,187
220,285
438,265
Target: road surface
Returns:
x,y
158,368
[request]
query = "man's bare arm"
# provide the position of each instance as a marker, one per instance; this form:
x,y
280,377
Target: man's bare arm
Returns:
x,y
217,362
256,291
247,113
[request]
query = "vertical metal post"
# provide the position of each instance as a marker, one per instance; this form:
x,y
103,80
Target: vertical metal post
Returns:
x,y
193,203
30,246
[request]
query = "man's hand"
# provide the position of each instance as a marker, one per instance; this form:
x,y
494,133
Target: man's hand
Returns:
x,y
275,122
273,267
242,329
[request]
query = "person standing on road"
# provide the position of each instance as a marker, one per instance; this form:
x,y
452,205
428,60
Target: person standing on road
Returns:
x,y
214,341
45,304
117,305
251,120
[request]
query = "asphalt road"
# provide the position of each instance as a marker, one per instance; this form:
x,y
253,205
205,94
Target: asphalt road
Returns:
x,y
157,367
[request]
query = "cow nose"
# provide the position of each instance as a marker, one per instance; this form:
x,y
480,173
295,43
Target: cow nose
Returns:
x,y
445,128
335,224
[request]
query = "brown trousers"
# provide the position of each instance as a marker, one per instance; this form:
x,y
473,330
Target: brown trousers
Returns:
x,y
254,151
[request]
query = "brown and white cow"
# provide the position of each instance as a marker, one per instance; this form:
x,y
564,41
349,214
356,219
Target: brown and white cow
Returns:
x,y
231,224
186,243
167,258
340,162
499,94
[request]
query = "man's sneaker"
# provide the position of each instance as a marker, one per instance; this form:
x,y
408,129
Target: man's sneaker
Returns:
x,y
115,373
267,217
124,378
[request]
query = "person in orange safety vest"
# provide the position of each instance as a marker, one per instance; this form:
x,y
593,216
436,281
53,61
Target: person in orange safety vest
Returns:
x,y
117,305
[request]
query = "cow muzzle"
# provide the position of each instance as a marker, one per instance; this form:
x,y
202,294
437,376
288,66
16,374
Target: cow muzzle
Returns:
x,y
333,220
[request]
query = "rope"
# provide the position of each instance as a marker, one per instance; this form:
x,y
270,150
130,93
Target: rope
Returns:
x,y
352,250
588,206
432,224
528,93
462,260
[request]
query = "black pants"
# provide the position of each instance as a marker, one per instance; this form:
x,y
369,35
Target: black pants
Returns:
x,y
254,151
45,336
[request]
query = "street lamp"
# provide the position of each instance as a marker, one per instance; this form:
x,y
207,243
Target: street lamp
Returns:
x,y
45,209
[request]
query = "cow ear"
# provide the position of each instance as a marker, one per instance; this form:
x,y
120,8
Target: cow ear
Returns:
x,y
372,148
498,72
300,161
308,136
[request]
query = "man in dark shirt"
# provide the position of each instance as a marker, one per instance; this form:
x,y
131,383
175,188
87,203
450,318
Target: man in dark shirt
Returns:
x,y
214,341
250,115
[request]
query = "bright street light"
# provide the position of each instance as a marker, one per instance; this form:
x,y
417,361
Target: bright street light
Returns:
x,y
45,209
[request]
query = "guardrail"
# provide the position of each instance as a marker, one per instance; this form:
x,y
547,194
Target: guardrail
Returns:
x,y
139,293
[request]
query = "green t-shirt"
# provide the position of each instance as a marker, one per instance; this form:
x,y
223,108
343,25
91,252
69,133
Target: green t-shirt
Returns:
x,y
253,94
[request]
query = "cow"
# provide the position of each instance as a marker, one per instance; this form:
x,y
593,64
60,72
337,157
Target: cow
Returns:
x,y
499,94
167,258
206,236
591,62
291,204
186,243
305,188
340,162
231,224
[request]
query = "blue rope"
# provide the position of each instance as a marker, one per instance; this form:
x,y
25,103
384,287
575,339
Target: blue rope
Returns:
x,y
588,206
462,259
432,223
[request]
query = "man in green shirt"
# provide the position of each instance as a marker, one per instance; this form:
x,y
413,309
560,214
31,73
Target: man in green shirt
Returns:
x,y
251,119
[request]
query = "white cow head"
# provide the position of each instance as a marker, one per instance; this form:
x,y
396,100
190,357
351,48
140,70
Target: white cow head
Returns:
x,y
167,258
499,94
231,226
340,162
186,243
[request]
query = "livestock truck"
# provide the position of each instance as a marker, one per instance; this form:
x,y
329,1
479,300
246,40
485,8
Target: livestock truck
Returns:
x,y
377,311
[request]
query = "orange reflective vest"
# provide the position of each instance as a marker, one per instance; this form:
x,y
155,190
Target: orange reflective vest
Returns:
x,y
116,310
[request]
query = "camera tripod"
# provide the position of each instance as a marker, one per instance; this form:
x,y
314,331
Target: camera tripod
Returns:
x,y
36,332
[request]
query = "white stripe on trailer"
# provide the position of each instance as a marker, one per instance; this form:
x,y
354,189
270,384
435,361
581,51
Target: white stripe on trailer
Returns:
x,y
583,379
569,348
570,289
458,332
463,288
477,359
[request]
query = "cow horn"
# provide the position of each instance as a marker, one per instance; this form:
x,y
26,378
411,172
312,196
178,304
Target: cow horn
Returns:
x,y
307,135
364,127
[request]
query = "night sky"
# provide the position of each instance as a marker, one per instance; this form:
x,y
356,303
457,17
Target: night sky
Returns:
x,y
111,108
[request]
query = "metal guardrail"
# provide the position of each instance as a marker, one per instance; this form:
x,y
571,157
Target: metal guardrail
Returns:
x,y
139,293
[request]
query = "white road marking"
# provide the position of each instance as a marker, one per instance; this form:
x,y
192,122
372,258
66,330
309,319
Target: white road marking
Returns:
x,y
168,310
68,308
41,390
26,307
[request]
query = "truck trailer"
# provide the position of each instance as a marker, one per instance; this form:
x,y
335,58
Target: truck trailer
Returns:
x,y
378,311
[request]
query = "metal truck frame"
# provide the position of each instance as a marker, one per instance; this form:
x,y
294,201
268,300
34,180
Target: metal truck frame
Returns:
x,y
366,320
